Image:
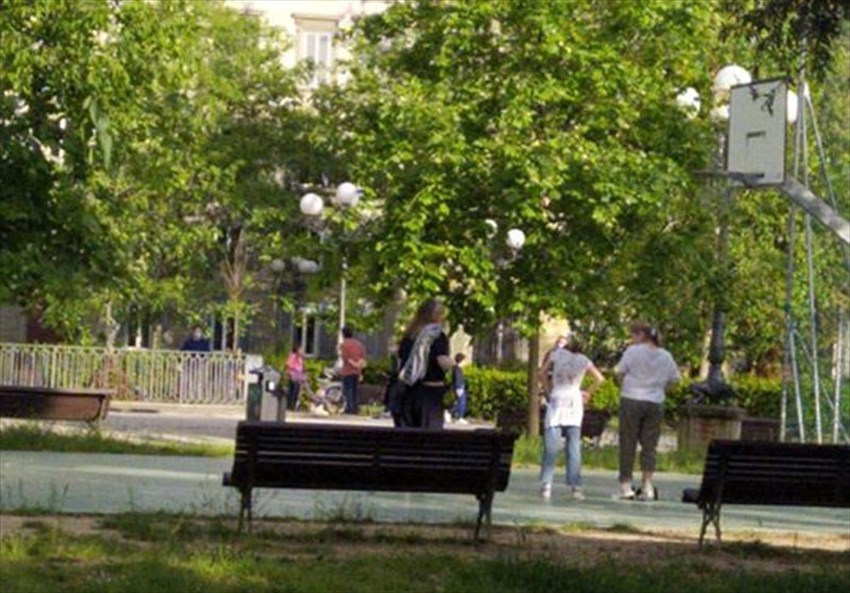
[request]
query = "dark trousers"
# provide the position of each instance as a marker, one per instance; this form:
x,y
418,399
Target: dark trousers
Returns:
x,y
292,394
349,391
640,422
422,407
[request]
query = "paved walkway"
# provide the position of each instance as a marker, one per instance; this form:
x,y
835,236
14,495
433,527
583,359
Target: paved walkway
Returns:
x,y
101,483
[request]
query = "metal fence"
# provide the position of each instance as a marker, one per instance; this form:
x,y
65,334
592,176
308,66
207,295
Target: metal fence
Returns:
x,y
169,376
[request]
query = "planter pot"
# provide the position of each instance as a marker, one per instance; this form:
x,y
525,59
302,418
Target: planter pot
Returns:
x,y
760,429
700,424
369,393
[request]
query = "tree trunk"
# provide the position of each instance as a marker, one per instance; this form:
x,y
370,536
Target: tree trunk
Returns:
x,y
533,390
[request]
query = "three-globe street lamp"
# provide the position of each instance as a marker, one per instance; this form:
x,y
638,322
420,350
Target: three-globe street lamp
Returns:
x,y
312,205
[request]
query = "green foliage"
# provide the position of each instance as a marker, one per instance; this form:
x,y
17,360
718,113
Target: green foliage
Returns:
x,y
493,390
548,117
139,141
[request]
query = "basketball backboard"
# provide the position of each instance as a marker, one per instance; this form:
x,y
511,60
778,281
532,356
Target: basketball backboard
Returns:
x,y
755,153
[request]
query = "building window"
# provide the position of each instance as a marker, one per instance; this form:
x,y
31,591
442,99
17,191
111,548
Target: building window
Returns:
x,y
315,43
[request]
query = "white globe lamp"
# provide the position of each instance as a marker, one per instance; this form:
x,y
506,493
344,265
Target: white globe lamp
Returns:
x,y
347,194
730,76
791,106
277,265
312,204
516,239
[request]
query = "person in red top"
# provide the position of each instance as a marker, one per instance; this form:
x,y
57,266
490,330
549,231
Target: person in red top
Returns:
x,y
296,374
353,355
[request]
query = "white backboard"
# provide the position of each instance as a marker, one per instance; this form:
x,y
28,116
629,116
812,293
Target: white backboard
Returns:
x,y
755,151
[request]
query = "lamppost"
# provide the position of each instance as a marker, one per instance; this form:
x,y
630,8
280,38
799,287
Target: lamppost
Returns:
x,y
715,387
312,205
514,241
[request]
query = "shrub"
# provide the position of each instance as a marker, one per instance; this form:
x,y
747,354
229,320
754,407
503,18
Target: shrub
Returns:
x,y
759,396
493,390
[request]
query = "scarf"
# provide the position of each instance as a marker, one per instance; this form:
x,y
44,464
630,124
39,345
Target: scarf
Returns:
x,y
416,364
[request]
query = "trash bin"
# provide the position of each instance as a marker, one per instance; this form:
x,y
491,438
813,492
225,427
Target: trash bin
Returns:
x,y
265,397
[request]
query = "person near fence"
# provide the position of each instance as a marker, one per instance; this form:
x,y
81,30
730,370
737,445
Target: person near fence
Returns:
x,y
459,387
562,375
196,342
297,376
645,372
425,360
352,353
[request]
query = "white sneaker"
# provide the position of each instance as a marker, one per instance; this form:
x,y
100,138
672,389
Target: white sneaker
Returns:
x,y
624,494
546,491
462,421
578,494
647,493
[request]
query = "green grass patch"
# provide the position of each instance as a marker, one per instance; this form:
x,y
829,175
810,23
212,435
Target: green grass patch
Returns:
x,y
167,553
528,451
34,437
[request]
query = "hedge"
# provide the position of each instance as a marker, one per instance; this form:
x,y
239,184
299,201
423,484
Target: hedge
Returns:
x,y
492,391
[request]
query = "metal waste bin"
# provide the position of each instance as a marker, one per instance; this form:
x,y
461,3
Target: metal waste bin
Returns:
x,y
265,397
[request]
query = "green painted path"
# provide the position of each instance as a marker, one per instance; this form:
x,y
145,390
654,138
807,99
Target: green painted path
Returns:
x,y
101,483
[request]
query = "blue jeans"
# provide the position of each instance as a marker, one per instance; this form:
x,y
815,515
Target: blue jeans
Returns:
x,y
460,405
553,442
349,392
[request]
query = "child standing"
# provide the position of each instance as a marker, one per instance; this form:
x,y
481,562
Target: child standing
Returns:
x,y
459,386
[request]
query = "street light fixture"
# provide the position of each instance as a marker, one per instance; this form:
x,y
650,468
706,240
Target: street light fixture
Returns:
x,y
347,195
312,204
516,239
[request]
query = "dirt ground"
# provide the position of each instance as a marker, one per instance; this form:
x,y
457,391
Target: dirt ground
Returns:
x,y
758,551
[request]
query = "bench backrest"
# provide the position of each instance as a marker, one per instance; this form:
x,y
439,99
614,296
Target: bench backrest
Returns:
x,y
787,474
325,456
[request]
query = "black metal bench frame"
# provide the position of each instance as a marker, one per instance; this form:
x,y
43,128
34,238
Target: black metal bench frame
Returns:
x,y
770,474
387,460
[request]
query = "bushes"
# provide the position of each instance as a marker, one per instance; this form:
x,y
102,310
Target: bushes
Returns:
x,y
493,390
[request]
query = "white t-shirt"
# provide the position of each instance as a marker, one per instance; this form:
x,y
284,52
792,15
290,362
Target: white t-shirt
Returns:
x,y
646,371
566,407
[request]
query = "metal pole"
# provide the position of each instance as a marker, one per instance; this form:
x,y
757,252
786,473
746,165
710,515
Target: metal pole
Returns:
x,y
342,289
813,317
717,351
841,342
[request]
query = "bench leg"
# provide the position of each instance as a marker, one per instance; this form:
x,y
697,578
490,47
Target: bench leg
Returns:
x,y
710,516
485,508
245,507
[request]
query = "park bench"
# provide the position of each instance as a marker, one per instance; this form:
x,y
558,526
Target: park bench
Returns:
x,y
770,474
45,403
379,459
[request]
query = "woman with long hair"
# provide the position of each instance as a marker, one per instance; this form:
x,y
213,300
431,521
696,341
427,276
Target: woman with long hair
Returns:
x,y
562,375
424,360
645,372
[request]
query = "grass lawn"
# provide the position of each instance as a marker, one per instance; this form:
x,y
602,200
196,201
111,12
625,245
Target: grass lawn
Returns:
x,y
43,437
40,437
162,553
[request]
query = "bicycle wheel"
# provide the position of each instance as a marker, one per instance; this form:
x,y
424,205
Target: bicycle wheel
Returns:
x,y
334,399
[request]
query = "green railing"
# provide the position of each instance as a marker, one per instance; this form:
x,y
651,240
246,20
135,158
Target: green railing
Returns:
x,y
169,376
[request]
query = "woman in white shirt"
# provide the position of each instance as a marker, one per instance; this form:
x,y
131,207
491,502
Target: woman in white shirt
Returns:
x,y
645,373
562,374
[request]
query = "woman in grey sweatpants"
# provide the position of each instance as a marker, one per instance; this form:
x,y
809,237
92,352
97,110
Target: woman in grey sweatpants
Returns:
x,y
645,372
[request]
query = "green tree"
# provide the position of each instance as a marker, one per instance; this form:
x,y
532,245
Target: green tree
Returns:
x,y
131,139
